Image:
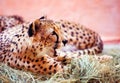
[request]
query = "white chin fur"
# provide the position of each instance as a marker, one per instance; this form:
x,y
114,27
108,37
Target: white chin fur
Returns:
x,y
68,48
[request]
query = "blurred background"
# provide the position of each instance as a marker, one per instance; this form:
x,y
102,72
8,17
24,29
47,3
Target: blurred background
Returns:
x,y
103,16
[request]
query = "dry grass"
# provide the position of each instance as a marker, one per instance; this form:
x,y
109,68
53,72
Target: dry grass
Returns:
x,y
80,70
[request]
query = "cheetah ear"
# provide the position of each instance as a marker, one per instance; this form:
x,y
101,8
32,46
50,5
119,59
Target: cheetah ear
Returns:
x,y
43,17
30,30
33,28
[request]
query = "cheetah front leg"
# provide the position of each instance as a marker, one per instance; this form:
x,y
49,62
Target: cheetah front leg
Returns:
x,y
44,65
63,56
47,65
66,57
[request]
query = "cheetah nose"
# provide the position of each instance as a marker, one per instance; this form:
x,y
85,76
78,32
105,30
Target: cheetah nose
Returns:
x,y
64,42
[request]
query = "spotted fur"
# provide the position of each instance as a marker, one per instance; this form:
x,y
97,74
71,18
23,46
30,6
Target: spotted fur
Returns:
x,y
9,21
34,46
79,40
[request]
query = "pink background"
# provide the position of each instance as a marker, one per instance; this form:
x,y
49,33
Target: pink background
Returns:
x,y
103,16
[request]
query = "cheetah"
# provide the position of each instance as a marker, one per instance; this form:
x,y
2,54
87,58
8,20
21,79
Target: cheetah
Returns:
x,y
37,46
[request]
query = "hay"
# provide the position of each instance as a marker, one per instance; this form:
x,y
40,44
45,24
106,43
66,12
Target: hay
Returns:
x,y
81,70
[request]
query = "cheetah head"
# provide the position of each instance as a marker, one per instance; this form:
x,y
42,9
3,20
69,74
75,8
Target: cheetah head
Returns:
x,y
47,33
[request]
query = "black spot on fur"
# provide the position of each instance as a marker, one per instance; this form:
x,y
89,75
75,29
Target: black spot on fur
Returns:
x,y
84,34
24,57
44,62
42,58
41,67
55,65
72,33
77,28
32,60
15,61
81,37
12,50
8,63
33,66
28,62
7,59
54,71
71,40
17,36
44,69
63,25
77,33
18,65
36,68
49,73
88,51
70,27
28,66
11,59
50,67
36,60
20,59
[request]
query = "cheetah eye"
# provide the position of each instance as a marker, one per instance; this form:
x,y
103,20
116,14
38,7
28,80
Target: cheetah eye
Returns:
x,y
64,42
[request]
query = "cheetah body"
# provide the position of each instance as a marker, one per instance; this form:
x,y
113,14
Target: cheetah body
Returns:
x,y
33,46
80,38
